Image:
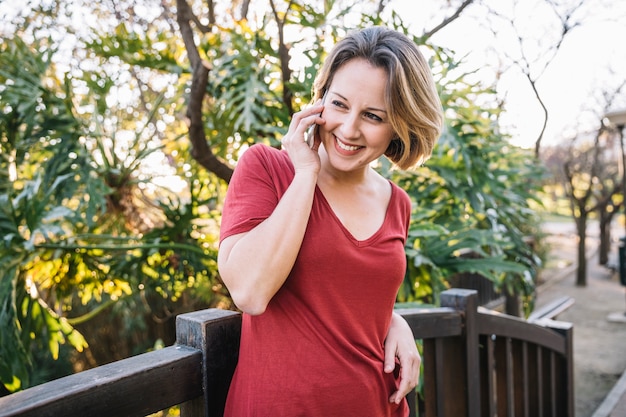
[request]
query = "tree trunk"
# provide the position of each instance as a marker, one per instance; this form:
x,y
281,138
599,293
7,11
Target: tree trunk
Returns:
x,y
581,272
605,238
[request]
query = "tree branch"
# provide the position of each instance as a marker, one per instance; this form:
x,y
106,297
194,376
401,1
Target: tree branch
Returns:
x,y
200,149
245,6
283,54
448,20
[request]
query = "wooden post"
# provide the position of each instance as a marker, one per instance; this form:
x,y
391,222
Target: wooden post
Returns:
x,y
467,302
216,333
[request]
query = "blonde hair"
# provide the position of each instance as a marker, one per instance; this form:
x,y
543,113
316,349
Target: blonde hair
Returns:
x,y
414,107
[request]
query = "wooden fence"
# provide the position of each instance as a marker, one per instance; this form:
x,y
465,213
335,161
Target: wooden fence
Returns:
x,y
476,363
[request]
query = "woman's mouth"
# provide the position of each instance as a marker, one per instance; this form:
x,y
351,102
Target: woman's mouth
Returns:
x,y
345,146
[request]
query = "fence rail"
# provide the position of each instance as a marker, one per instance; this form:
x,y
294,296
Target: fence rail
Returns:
x,y
135,386
476,363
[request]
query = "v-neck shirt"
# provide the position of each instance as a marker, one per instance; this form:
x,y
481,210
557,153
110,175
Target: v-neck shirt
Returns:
x,y
318,349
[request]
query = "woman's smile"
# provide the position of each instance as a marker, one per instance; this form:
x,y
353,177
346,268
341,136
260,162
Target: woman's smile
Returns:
x,y
345,147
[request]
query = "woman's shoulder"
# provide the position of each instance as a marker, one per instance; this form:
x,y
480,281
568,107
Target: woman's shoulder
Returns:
x,y
260,153
401,197
397,193
265,163
261,150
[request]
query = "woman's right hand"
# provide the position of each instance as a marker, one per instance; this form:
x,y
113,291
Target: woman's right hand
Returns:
x,y
294,142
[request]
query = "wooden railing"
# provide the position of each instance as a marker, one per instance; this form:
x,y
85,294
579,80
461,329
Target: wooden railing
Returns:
x,y
476,363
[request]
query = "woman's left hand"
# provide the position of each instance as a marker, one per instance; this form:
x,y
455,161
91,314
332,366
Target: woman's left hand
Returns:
x,y
400,343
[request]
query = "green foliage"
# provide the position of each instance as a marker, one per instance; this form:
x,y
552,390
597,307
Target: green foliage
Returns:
x,y
70,247
245,93
36,126
472,199
87,227
151,49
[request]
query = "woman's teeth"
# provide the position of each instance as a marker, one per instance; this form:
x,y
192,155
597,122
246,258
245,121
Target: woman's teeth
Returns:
x,y
346,147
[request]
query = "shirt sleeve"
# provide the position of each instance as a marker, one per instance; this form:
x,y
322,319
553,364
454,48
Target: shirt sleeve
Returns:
x,y
252,194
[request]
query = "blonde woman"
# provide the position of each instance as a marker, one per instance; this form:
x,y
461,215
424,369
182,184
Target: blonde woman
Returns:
x,y
312,241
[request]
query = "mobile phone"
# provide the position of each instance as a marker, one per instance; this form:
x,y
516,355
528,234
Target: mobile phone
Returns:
x,y
309,135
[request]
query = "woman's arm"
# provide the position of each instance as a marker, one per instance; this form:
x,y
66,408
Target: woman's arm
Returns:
x,y
400,343
255,264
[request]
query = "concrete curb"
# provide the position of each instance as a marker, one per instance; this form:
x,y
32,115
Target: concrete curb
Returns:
x,y
612,399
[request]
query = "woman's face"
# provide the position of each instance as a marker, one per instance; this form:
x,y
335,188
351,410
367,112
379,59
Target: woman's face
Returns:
x,y
357,129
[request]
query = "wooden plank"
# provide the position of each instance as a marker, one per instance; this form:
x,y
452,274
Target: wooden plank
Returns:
x,y
526,381
553,382
533,377
453,376
430,379
561,394
552,309
519,381
488,382
510,375
136,386
440,366
428,323
508,326
540,377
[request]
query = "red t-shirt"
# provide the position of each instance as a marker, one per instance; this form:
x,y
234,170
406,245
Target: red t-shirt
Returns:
x,y
317,350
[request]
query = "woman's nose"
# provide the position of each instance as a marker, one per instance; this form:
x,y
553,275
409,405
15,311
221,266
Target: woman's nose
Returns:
x,y
350,126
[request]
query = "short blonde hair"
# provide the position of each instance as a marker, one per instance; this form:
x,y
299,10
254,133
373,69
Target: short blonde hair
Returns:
x,y
414,107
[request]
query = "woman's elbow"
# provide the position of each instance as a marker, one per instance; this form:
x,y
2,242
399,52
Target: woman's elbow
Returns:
x,y
246,294
246,298
248,303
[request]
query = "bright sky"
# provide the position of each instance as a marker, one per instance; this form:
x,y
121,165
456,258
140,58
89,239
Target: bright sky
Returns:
x,y
592,58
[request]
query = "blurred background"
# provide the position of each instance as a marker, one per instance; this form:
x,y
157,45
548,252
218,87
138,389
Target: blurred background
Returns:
x,y
121,123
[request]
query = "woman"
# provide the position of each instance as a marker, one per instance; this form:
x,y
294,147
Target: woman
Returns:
x,y
312,241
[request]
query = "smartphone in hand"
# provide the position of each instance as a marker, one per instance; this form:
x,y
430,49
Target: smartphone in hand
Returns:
x,y
309,135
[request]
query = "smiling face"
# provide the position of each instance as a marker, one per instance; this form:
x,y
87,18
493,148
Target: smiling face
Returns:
x,y
357,129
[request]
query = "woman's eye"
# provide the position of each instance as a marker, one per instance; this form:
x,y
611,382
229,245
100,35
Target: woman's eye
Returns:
x,y
373,117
